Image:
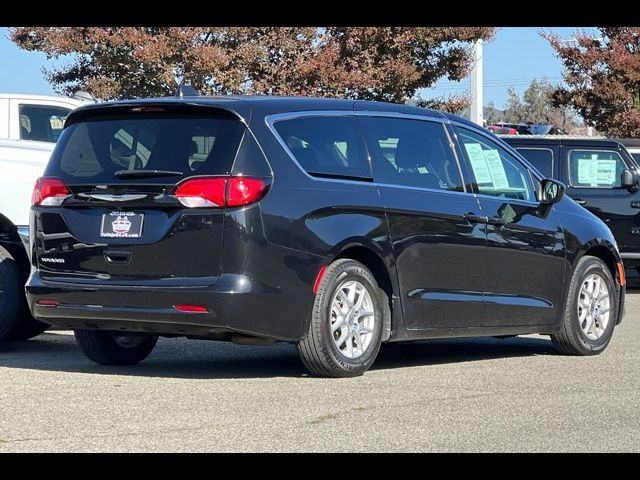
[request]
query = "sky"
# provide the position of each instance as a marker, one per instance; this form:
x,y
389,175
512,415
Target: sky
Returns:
x,y
514,57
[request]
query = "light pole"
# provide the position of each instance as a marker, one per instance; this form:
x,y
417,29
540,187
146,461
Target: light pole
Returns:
x,y
476,85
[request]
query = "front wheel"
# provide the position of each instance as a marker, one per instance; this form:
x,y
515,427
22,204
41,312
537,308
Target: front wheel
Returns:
x,y
591,310
345,330
115,348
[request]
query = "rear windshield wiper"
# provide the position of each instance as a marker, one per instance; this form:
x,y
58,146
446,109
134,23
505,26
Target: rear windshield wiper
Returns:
x,y
147,173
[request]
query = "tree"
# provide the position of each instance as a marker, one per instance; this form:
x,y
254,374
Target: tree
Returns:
x,y
602,77
515,111
375,63
537,106
492,115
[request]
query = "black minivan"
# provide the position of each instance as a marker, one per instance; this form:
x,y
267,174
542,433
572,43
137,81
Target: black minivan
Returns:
x,y
601,175
336,225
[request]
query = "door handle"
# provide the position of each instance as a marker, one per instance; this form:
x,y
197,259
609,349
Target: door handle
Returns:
x,y
472,218
497,221
580,201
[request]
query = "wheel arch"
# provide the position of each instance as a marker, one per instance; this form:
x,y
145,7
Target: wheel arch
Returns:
x,y
374,261
605,253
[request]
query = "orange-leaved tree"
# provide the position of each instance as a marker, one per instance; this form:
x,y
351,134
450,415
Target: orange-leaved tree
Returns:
x,y
602,76
375,63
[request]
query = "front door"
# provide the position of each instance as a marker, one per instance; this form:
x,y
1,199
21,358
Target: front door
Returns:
x,y
524,282
438,243
594,180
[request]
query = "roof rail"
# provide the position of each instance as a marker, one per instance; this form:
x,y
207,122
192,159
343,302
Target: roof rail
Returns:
x,y
186,91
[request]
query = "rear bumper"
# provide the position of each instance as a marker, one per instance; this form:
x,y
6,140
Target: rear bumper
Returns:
x,y
235,303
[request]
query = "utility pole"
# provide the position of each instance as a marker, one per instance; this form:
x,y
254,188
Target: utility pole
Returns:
x,y
476,85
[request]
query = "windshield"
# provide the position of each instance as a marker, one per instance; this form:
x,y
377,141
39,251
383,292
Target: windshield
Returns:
x,y
94,150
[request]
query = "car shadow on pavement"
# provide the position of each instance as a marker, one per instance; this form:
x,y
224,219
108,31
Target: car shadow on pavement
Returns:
x,y
189,359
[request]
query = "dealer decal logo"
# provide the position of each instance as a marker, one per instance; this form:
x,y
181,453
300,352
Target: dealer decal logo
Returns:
x,y
121,225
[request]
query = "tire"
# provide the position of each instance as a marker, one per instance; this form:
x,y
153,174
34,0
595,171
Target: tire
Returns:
x,y
319,350
105,348
27,327
572,338
16,322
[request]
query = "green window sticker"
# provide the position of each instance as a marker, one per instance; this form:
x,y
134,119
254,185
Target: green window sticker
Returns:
x,y
496,168
593,171
478,163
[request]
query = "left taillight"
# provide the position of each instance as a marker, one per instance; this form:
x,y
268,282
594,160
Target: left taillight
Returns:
x,y
49,192
211,192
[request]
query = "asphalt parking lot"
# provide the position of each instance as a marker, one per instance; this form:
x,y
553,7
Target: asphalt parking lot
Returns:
x,y
455,395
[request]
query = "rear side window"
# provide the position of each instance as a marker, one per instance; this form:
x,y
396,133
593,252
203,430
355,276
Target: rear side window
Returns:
x,y
541,158
595,168
325,146
42,123
92,151
412,153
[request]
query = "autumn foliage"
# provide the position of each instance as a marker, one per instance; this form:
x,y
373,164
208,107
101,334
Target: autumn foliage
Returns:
x,y
602,74
376,63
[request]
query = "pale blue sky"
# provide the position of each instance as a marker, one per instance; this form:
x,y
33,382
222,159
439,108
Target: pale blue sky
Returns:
x,y
513,58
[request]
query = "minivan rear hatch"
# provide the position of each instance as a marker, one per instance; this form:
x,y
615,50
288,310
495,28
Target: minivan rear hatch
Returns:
x,y
119,219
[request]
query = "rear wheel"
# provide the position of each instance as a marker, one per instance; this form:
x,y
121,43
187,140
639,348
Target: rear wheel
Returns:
x,y
345,330
16,322
115,348
591,310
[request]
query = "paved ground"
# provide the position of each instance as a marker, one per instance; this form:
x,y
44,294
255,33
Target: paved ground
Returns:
x,y
464,395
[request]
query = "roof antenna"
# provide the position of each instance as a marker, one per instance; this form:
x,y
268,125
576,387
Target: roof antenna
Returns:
x,y
186,91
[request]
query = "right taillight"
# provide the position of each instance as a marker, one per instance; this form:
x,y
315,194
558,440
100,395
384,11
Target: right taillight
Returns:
x,y
219,192
49,192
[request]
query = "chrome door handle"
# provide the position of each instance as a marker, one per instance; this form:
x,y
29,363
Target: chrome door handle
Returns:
x,y
580,201
497,221
472,218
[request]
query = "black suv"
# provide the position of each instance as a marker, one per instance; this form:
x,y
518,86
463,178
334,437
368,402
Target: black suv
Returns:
x,y
333,224
601,175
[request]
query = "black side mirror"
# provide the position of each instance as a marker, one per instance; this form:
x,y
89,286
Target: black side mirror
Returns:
x,y
551,191
629,180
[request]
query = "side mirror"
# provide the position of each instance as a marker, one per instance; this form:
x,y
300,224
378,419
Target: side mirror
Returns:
x,y
629,180
551,191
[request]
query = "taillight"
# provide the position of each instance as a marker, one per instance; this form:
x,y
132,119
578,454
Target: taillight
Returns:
x,y
220,192
49,192
202,192
243,191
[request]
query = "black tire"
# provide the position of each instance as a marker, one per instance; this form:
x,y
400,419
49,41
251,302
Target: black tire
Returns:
x,y
102,347
27,327
317,350
571,340
16,322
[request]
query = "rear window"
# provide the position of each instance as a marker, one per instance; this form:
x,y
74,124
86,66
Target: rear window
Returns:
x,y
541,158
93,150
325,146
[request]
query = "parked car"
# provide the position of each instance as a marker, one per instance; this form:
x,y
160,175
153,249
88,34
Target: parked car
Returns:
x,y
502,130
545,129
521,128
29,128
335,225
601,175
